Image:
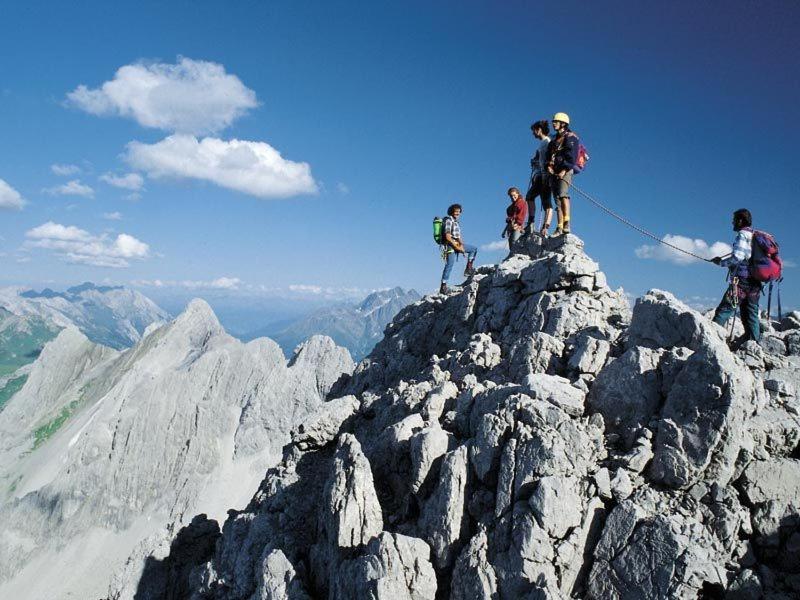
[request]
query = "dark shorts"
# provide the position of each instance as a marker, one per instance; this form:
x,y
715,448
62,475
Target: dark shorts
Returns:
x,y
560,186
540,186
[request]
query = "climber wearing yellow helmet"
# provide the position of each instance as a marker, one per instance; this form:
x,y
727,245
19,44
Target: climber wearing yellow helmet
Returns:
x,y
562,156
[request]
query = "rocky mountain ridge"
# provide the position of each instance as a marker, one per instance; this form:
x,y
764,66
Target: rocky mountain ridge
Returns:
x,y
526,437
103,453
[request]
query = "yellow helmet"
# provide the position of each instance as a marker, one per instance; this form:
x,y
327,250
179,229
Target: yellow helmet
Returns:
x,y
563,117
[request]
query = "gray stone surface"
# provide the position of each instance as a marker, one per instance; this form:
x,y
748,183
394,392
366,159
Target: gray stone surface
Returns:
x,y
524,438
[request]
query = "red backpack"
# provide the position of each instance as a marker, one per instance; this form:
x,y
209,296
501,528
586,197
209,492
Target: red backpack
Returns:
x,y
765,264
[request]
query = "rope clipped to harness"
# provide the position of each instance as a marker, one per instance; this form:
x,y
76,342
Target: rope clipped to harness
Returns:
x,y
622,219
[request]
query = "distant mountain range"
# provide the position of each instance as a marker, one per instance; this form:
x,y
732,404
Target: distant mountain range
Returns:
x,y
112,316
357,327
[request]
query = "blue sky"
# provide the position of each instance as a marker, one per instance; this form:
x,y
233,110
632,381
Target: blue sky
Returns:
x,y
383,114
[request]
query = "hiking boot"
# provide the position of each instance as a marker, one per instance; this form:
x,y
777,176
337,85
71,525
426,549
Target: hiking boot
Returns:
x,y
544,231
469,269
558,232
566,229
443,289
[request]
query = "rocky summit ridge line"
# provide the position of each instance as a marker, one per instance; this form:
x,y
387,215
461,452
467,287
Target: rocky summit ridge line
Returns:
x,y
528,436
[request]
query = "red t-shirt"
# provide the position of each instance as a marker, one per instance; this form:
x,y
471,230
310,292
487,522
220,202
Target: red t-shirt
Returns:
x,y
517,212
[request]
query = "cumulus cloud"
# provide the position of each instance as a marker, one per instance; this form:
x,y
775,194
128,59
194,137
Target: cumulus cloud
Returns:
x,y
74,245
9,197
65,170
254,168
130,181
220,283
495,246
695,246
190,96
72,188
113,216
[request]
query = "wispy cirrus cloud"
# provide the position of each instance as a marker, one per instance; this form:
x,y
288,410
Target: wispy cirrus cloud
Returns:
x,y
495,246
74,245
254,168
72,188
129,181
10,198
694,245
190,96
65,170
112,216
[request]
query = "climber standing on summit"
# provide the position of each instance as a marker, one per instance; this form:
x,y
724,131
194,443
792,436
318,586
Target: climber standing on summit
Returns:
x,y
743,290
454,246
540,180
562,157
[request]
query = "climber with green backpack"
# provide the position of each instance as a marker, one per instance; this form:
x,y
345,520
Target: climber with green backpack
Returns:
x,y
447,234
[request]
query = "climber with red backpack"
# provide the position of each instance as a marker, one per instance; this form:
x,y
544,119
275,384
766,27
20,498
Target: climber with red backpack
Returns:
x,y
565,157
753,262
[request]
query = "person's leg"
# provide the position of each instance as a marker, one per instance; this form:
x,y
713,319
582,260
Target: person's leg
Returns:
x,y
471,252
448,266
749,314
565,210
724,311
547,209
564,193
513,238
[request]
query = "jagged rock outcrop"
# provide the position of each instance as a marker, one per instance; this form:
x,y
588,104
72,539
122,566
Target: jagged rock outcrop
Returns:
x,y
106,454
528,436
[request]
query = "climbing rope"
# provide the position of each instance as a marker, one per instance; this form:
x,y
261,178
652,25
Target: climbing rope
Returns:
x,y
622,219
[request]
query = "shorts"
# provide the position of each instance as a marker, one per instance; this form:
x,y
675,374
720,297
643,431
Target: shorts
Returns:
x,y
540,186
560,186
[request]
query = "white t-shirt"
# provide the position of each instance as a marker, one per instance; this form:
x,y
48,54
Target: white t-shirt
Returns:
x,y
541,156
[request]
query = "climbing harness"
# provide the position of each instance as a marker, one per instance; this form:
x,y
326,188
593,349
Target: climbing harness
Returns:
x,y
622,219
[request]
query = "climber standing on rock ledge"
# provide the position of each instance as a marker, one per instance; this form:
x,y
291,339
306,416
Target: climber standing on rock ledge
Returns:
x,y
743,290
454,246
562,159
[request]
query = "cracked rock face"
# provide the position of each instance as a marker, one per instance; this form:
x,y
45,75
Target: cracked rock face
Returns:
x,y
530,437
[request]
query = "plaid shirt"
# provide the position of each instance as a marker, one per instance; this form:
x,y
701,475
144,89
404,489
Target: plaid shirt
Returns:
x,y
452,227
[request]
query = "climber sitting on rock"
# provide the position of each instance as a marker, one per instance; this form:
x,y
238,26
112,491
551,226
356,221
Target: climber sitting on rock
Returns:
x,y
743,290
516,212
454,246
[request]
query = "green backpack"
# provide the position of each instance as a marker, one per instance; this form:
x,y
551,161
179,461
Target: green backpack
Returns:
x,y
438,231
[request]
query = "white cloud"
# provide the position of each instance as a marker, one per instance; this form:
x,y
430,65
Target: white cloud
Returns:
x,y
495,246
75,245
343,188
695,246
789,263
190,96
9,197
72,188
254,168
65,170
221,283
113,216
130,181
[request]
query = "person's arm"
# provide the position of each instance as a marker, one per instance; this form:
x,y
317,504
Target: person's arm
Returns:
x,y
454,243
740,248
